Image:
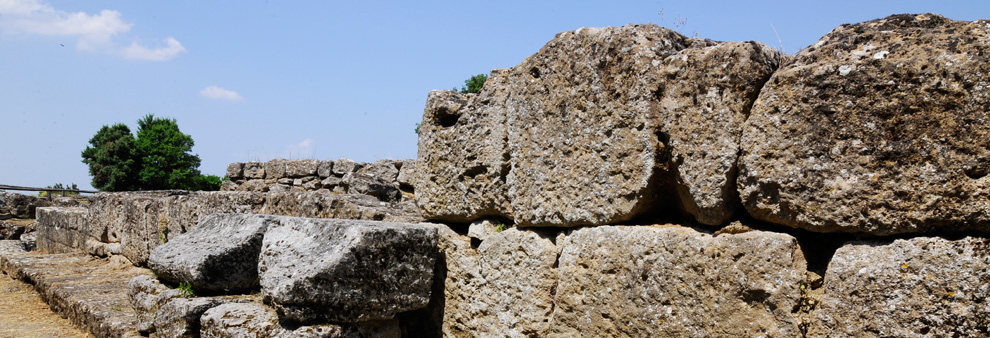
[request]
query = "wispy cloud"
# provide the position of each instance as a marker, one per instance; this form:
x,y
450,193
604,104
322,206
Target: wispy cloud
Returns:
x,y
214,92
303,149
93,32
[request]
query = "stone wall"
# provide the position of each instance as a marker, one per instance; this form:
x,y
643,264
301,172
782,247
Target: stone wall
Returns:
x,y
383,179
630,181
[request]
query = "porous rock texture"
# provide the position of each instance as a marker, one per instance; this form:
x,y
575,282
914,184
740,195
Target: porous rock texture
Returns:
x,y
677,282
61,230
463,158
502,288
238,320
219,254
592,128
317,270
880,127
918,287
147,295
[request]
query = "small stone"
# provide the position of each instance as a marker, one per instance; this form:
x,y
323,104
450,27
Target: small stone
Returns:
x,y
235,170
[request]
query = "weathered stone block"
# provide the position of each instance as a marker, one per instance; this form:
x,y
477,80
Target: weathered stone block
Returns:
x,y
342,270
357,183
147,295
275,168
62,230
918,287
677,282
219,254
343,166
257,320
180,317
301,168
325,169
254,170
235,170
881,127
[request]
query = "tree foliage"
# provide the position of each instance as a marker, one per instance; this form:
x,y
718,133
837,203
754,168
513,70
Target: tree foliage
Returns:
x,y
474,84
159,158
110,156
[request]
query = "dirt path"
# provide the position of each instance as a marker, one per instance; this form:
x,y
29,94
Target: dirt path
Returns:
x,y
23,314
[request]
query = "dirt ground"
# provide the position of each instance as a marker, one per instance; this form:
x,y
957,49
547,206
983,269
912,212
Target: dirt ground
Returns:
x,y
23,314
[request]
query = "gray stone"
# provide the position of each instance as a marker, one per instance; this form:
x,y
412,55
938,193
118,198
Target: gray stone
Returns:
x,y
301,168
20,205
235,170
29,241
9,231
254,170
677,282
229,185
219,254
61,230
918,287
256,320
275,168
383,170
180,317
881,127
343,270
358,183
325,169
343,166
147,295
406,174
331,182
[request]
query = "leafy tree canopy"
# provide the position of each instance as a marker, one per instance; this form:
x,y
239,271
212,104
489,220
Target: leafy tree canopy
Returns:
x,y
159,158
474,84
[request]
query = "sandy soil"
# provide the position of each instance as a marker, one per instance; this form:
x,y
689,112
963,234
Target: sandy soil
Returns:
x,y
24,315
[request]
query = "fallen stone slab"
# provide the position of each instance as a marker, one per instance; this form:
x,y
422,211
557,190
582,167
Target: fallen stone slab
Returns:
x,y
90,292
674,281
237,320
880,127
918,287
147,295
315,270
219,254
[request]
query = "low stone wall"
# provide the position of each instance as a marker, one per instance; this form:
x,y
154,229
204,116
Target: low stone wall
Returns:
x,y
383,179
134,223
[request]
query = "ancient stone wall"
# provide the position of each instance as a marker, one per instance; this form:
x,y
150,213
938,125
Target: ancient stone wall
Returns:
x,y
382,179
630,181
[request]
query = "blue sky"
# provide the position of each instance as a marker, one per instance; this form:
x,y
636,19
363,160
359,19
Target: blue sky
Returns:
x,y
256,80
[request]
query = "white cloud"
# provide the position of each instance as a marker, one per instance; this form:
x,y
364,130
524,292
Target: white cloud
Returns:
x,y
303,149
214,92
136,51
93,32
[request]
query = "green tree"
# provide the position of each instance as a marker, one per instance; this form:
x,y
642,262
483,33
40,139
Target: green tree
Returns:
x,y
474,84
164,155
110,157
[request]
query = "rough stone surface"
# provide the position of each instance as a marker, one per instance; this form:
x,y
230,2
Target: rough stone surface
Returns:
x,y
360,183
61,230
407,172
256,320
677,282
346,270
881,127
180,317
235,170
275,169
463,157
90,292
343,166
596,128
254,170
219,254
20,205
147,295
919,287
301,168
504,288
325,169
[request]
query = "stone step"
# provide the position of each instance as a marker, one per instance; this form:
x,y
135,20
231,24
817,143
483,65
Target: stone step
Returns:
x,y
91,292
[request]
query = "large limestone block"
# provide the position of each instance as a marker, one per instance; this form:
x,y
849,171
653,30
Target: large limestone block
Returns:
x,y
463,158
502,288
705,96
301,168
677,282
147,295
919,287
880,127
219,254
180,317
62,230
346,270
596,128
